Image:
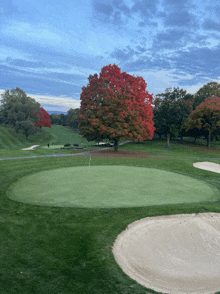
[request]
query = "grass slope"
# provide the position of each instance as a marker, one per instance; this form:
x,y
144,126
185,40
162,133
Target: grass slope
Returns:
x,y
64,135
11,144
64,250
8,139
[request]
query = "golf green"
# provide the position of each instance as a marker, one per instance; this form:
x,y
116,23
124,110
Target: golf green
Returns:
x,y
109,186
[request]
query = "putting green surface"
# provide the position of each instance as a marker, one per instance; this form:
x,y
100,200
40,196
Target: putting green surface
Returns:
x,y
109,186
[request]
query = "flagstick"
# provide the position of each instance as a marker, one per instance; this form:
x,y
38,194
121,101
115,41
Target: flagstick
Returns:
x,y
89,161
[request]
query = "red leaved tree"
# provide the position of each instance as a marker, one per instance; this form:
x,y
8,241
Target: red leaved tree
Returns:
x,y
205,119
43,118
115,106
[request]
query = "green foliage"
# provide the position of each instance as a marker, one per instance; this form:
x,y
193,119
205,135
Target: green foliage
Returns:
x,y
208,90
171,111
71,118
55,119
63,119
18,110
27,127
58,119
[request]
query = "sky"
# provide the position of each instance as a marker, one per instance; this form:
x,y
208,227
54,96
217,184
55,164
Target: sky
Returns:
x,y
49,48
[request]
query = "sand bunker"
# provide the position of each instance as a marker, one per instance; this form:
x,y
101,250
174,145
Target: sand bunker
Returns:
x,y
214,167
175,254
31,148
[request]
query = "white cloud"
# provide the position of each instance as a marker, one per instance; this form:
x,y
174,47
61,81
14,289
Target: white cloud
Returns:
x,y
64,103
193,89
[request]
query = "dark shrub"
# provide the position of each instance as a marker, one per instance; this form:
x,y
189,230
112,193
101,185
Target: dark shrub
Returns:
x,y
76,145
67,145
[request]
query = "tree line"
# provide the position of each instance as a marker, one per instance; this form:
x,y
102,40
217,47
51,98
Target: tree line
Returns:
x,y
178,114
24,114
69,119
116,106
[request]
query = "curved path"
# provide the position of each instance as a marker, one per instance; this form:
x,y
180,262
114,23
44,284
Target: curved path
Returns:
x,y
60,154
96,152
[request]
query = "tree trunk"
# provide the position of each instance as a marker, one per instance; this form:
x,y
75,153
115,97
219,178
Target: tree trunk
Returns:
x,y
115,146
168,141
209,139
181,138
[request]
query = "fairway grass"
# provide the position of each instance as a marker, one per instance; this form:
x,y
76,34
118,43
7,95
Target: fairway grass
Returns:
x,y
68,250
109,186
52,146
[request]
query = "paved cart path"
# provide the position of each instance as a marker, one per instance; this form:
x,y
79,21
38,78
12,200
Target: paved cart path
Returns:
x,y
60,154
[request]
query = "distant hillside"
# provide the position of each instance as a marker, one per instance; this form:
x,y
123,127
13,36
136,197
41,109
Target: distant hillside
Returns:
x,y
56,112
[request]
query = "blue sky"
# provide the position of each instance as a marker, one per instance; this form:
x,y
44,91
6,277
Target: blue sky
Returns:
x,y
49,48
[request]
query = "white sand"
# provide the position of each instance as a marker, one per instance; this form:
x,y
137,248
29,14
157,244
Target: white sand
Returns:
x,y
31,148
175,254
214,167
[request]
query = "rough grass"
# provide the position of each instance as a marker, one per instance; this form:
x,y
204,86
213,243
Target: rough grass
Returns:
x,y
185,149
64,250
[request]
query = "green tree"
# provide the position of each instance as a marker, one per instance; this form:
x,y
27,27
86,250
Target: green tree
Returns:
x,y
208,90
63,119
27,127
71,118
205,119
171,112
55,119
19,111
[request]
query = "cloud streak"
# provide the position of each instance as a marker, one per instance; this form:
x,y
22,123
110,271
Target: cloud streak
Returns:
x,y
52,48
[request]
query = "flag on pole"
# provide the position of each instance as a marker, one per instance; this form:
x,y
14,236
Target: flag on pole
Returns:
x,y
89,161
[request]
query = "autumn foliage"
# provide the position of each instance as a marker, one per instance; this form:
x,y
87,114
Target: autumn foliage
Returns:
x,y
116,106
43,118
208,90
205,119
